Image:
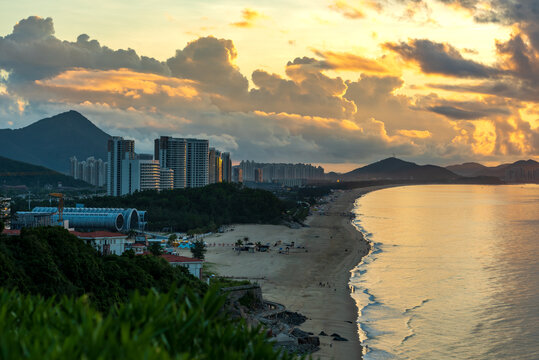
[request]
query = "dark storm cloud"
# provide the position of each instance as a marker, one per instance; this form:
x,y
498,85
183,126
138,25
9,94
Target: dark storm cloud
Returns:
x,y
439,58
457,113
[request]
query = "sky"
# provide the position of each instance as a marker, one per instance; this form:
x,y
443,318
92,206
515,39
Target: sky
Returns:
x,y
333,82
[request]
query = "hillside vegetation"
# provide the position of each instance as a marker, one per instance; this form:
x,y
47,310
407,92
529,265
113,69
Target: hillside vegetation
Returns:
x,y
59,299
14,173
52,262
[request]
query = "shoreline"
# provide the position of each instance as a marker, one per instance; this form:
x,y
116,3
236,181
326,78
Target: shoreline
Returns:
x,y
313,281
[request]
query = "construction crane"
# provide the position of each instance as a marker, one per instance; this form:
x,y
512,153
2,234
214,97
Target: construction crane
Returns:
x,y
60,205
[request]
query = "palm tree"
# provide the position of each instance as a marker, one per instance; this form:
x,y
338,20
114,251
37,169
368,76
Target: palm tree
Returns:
x,y
171,239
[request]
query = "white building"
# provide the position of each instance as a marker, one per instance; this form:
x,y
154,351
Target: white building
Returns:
x,y
140,175
193,265
91,170
105,242
166,181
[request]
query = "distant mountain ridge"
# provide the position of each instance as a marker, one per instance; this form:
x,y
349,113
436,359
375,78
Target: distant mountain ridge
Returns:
x,y
14,173
519,171
52,141
476,169
397,169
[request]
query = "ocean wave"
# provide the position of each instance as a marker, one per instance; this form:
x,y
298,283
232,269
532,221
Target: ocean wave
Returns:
x,y
408,310
373,353
370,332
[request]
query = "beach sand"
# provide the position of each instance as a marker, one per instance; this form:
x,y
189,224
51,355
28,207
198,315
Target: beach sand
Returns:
x,y
332,248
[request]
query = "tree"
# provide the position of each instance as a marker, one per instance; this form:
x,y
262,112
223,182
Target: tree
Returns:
x,y
155,249
198,249
1,226
131,234
171,239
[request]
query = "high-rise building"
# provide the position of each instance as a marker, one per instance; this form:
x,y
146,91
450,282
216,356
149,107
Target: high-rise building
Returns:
x,y
172,154
100,177
118,151
238,174
91,170
211,166
227,167
277,172
215,166
139,175
197,162
166,181
258,175
73,169
188,158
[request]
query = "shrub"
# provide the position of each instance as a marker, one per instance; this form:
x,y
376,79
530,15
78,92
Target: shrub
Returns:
x,y
174,325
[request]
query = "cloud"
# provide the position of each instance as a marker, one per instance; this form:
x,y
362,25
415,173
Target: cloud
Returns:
x,y
440,58
457,113
420,134
347,10
32,52
249,17
350,62
306,114
210,61
306,92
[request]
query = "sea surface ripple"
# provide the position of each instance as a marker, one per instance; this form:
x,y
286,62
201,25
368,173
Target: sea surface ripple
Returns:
x,y
453,272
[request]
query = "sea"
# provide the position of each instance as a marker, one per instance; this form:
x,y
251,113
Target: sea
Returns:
x,y
453,272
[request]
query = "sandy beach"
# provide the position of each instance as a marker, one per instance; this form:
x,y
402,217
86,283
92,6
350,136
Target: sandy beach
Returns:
x,y
312,281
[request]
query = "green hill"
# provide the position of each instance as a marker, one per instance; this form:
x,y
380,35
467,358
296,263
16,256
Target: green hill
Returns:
x,y
14,173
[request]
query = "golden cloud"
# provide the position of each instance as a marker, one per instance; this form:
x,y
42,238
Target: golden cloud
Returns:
x,y
351,62
123,82
420,134
249,17
347,10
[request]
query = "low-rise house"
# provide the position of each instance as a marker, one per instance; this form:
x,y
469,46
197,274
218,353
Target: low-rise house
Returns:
x,y
139,248
193,265
107,243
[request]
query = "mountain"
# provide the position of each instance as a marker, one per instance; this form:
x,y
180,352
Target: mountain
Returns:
x,y
467,169
13,173
393,168
522,171
476,169
52,141
519,171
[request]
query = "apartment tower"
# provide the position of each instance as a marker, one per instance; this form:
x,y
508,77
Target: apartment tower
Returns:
x,y
172,154
118,150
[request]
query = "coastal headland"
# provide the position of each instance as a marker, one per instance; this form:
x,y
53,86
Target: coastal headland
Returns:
x,y
312,278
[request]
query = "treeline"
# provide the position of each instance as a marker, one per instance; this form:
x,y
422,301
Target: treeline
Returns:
x,y
204,208
52,262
